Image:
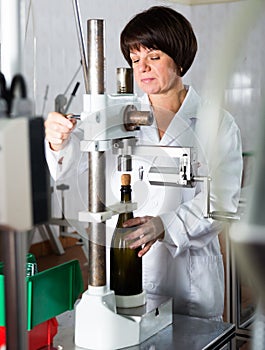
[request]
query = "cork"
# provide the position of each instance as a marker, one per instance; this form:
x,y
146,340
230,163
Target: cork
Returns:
x,y
125,179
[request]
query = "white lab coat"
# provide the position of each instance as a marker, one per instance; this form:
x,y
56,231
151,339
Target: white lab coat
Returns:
x,y
187,264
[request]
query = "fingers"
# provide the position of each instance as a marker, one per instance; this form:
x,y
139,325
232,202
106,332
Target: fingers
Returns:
x,y
138,237
146,248
59,122
140,240
141,236
141,231
149,230
58,129
136,221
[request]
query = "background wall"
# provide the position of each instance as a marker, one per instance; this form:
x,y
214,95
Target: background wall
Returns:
x,y
52,55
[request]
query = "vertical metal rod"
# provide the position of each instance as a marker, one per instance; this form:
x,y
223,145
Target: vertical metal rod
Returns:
x,y
97,162
95,56
81,43
97,232
14,257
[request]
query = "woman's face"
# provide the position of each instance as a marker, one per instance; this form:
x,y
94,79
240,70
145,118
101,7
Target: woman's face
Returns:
x,y
154,71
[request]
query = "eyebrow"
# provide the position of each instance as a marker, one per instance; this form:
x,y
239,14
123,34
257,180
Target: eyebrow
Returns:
x,y
149,51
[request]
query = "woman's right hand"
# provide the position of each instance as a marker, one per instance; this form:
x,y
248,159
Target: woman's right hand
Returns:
x,y
58,129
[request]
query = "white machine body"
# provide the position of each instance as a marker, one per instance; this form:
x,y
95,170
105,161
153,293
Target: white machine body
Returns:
x,y
98,325
103,117
15,177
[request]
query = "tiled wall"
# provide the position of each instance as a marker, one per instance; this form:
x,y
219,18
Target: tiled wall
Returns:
x,y
244,87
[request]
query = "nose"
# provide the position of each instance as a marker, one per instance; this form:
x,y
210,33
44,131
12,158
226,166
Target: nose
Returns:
x,y
143,65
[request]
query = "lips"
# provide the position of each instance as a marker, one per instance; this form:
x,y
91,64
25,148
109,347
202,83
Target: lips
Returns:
x,y
147,80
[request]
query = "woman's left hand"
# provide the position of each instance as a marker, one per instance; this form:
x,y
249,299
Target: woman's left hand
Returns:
x,y
149,231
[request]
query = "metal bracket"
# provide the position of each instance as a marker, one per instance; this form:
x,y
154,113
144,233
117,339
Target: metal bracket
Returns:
x,y
118,208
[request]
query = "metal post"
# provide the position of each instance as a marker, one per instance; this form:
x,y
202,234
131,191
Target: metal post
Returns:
x,y
97,232
97,163
14,257
95,56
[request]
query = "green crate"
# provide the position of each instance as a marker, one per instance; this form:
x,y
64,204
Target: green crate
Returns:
x,y
49,293
2,298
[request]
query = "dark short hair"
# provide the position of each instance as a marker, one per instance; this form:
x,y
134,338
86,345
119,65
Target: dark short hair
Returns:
x,y
161,28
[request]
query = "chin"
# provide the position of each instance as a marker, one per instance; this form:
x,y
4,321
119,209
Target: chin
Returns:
x,y
150,91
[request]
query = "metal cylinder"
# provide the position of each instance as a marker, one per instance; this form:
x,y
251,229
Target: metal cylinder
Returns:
x,y
95,56
96,199
132,118
124,80
124,162
13,246
97,234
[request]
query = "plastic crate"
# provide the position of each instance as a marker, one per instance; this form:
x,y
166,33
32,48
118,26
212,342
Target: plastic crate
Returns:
x,y
49,293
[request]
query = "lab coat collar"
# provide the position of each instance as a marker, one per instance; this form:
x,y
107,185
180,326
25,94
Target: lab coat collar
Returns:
x,y
181,121
190,105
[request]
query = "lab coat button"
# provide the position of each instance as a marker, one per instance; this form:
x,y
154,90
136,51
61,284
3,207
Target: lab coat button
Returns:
x,y
149,286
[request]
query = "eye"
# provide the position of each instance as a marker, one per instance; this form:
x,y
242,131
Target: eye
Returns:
x,y
155,58
134,58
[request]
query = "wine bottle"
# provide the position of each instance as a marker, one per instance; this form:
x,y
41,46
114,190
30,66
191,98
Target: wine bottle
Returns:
x,y
125,265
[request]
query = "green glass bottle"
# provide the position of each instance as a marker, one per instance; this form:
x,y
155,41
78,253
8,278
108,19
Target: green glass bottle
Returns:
x,y
125,265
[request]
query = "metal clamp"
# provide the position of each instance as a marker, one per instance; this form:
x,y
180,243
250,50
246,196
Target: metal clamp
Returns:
x,y
118,208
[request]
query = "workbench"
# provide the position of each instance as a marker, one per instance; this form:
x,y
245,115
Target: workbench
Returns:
x,y
185,333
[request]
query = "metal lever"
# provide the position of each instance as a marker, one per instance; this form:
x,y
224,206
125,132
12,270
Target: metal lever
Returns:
x,y
206,189
215,215
81,43
224,216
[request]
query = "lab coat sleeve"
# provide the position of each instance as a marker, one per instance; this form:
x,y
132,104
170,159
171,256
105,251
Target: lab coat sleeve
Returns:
x,y
68,162
186,228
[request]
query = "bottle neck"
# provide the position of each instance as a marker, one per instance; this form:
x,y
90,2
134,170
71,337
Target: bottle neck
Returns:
x,y
126,193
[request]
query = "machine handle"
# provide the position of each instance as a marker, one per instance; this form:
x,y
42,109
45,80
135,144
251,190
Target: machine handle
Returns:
x,y
224,216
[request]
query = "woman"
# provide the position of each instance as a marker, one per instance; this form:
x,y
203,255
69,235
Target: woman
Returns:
x,y
180,248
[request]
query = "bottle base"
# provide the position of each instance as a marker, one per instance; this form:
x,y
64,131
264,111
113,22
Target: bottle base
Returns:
x,y
128,301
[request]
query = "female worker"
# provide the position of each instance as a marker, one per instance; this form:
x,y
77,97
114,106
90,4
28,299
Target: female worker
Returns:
x,y
180,248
